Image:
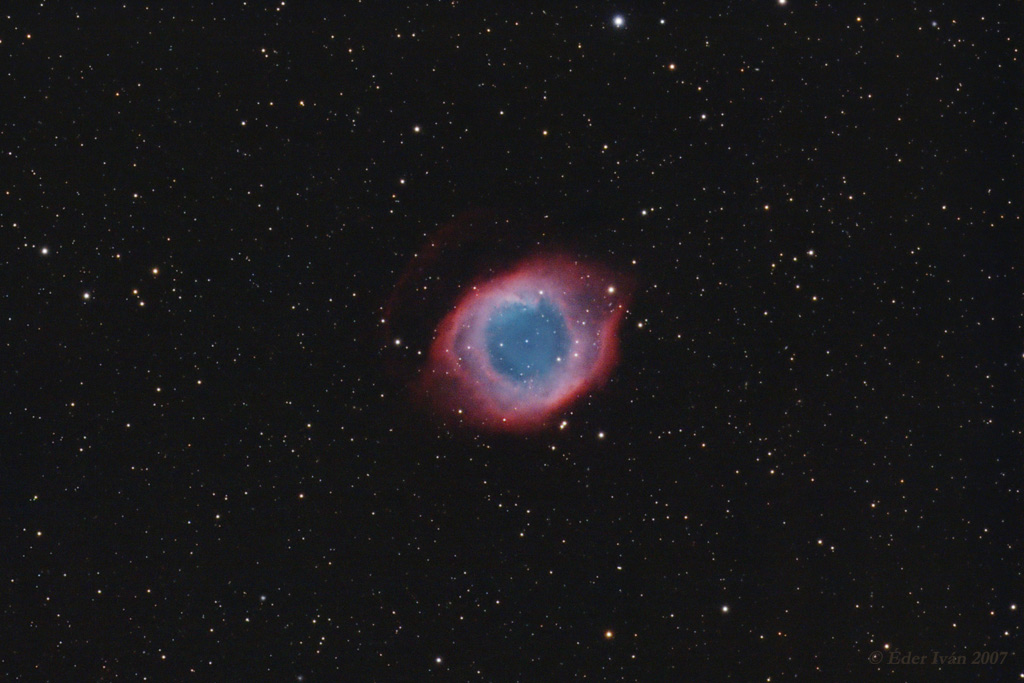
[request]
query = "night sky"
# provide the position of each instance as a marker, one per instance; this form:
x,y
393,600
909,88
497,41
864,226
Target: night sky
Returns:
x,y
232,231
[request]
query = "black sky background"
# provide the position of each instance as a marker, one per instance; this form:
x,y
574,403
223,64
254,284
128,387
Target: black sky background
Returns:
x,y
811,445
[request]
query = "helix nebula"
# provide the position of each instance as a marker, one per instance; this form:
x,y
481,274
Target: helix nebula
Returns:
x,y
520,346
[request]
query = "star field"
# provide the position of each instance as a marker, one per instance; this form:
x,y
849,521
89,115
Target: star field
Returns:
x,y
233,229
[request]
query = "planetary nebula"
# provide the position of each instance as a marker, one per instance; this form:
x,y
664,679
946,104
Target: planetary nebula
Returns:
x,y
519,346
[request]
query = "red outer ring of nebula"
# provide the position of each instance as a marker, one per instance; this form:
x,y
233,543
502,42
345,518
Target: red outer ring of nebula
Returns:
x,y
461,384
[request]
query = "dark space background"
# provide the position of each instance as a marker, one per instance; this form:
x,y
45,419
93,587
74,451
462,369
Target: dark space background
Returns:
x,y
811,448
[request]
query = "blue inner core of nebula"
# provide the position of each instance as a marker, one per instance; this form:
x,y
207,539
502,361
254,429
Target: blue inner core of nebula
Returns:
x,y
526,342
